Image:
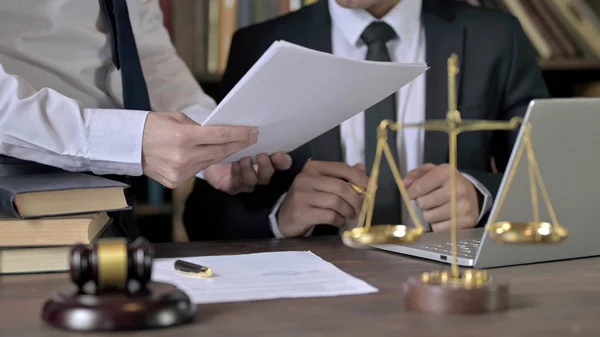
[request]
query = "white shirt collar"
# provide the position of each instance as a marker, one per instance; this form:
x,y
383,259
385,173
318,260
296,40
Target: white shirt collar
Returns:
x,y
404,18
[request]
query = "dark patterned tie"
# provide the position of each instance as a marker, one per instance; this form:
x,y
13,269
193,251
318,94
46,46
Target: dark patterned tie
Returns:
x,y
387,202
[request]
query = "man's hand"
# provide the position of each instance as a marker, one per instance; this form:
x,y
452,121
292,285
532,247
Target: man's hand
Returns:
x,y
320,194
243,176
429,186
175,148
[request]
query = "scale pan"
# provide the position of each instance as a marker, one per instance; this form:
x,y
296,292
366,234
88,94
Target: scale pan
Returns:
x,y
361,237
526,232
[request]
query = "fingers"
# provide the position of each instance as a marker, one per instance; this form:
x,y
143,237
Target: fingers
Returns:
x,y
434,199
439,217
214,154
265,169
337,187
248,174
237,181
298,213
446,225
326,217
222,134
281,161
331,202
441,226
416,174
437,214
428,182
337,170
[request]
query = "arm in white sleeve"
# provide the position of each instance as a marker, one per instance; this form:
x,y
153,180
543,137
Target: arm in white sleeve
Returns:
x,y
171,84
49,128
487,196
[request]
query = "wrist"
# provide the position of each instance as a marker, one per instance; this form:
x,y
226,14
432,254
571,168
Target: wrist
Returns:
x,y
115,141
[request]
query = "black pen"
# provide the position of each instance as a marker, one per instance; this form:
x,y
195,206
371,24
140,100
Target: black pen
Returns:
x,y
192,269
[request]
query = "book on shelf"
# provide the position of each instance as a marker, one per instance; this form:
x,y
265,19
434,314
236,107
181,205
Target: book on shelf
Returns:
x,y
557,29
202,30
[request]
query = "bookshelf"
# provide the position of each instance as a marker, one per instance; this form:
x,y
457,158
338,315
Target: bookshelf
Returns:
x,y
563,32
570,65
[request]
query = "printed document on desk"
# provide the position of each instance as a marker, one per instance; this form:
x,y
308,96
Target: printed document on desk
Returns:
x,y
261,276
294,94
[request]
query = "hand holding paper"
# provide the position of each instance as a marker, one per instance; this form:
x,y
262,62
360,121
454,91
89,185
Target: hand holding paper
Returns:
x,y
175,147
243,175
294,94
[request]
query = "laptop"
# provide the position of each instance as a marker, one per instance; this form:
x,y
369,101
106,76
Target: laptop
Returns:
x,y
566,142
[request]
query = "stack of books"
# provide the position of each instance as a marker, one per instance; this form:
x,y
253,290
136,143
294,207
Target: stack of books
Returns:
x,y
44,214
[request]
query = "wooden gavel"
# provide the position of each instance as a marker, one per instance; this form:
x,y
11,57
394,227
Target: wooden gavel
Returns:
x,y
125,297
111,264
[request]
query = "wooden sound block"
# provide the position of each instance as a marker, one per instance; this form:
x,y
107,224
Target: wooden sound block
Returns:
x,y
161,305
455,298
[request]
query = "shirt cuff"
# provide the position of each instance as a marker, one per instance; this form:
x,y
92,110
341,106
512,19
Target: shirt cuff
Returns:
x,y
487,196
115,141
273,220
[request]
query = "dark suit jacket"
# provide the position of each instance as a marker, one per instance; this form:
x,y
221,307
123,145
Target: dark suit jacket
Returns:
x,y
498,78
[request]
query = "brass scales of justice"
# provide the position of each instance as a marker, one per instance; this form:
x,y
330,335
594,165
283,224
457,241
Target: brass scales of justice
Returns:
x,y
455,291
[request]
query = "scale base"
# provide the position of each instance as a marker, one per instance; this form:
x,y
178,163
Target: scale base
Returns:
x,y
161,306
472,293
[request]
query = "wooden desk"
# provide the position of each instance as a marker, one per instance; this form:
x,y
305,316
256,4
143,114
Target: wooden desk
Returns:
x,y
550,299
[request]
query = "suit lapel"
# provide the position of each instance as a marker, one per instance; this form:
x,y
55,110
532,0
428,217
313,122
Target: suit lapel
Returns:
x,y
326,147
442,39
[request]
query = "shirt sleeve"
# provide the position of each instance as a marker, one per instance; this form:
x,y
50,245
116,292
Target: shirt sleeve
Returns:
x,y
487,196
487,205
171,84
273,220
47,127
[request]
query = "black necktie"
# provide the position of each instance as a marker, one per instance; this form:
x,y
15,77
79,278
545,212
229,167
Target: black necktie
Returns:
x,y
125,55
135,92
387,201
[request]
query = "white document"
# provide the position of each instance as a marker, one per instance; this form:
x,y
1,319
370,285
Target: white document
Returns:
x,y
261,276
294,94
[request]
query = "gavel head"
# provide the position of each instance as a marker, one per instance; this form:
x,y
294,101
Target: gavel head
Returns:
x,y
111,264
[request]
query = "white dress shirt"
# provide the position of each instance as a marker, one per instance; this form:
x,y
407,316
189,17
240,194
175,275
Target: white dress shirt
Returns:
x,y
61,96
408,47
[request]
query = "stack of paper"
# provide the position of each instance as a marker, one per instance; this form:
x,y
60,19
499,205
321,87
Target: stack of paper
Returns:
x,y
261,276
294,94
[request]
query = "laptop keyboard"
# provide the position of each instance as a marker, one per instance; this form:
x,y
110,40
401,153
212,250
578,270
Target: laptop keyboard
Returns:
x,y
466,248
